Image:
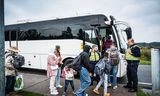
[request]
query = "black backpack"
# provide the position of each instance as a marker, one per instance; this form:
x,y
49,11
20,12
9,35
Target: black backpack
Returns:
x,y
19,60
76,64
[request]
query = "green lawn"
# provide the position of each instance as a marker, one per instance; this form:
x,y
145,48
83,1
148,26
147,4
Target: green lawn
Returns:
x,y
145,62
145,56
141,93
26,93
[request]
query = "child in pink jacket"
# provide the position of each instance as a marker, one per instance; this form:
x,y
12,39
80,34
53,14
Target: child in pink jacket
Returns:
x,y
68,74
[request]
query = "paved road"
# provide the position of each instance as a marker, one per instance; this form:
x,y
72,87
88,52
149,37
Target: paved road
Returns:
x,y
36,81
144,73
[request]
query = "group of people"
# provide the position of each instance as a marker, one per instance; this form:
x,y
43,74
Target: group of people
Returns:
x,y
86,73
87,76
89,59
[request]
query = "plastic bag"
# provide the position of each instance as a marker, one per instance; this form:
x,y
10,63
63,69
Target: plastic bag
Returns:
x,y
19,84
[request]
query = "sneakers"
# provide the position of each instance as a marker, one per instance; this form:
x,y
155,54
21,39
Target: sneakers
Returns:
x,y
96,91
115,87
59,86
109,85
54,93
107,94
64,94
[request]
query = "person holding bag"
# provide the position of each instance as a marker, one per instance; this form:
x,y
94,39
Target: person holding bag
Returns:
x,y
52,67
10,70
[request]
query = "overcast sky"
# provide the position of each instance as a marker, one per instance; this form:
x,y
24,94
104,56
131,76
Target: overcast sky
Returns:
x,y
142,15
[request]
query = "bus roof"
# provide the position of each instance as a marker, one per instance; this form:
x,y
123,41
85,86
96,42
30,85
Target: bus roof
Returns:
x,y
84,21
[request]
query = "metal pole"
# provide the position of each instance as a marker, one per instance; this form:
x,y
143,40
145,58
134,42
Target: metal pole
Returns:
x,y
2,72
155,57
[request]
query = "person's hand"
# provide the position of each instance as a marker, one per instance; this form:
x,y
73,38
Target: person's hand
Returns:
x,y
129,51
94,75
10,68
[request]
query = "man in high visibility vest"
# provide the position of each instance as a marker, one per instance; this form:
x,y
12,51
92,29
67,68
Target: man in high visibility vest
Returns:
x,y
94,58
133,57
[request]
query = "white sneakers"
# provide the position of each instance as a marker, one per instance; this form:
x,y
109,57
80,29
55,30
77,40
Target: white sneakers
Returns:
x,y
115,87
109,85
55,92
59,86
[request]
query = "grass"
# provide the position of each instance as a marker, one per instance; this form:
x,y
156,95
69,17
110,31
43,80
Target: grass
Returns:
x,y
26,93
145,62
145,56
141,93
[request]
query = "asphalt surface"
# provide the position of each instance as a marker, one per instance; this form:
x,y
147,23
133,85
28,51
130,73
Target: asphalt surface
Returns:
x,y
37,81
144,73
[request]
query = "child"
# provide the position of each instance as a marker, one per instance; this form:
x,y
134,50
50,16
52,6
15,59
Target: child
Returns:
x,y
104,76
68,74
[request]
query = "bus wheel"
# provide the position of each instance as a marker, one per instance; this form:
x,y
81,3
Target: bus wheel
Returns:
x,y
66,62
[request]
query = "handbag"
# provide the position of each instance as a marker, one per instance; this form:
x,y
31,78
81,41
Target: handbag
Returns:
x,y
54,67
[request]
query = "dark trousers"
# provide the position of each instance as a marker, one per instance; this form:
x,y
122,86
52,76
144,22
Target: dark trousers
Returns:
x,y
10,81
132,74
66,85
91,67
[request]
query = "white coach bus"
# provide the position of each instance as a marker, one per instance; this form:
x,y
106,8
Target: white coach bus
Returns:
x,y
36,39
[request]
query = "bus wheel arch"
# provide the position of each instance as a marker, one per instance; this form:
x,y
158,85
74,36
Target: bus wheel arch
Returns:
x,y
66,61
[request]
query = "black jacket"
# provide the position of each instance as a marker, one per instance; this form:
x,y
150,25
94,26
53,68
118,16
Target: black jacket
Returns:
x,y
135,50
85,57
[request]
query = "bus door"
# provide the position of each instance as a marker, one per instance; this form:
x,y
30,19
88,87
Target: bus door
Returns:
x,y
104,32
123,32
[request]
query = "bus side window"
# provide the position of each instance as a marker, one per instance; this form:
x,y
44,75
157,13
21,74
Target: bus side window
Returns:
x,y
6,35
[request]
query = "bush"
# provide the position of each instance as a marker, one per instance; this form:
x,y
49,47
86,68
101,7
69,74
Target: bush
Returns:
x,y
145,55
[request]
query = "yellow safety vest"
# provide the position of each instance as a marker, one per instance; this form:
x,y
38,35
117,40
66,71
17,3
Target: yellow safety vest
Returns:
x,y
129,56
94,56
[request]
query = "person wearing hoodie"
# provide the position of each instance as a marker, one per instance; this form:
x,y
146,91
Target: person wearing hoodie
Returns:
x,y
85,79
114,67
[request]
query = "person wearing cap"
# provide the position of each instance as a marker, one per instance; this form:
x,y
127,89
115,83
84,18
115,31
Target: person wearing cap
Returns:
x,y
10,70
133,57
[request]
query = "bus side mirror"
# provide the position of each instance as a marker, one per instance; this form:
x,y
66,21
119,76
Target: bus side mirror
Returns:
x,y
128,32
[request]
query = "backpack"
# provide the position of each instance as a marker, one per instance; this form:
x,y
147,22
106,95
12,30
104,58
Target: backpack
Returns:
x,y
99,67
107,67
114,57
76,64
19,60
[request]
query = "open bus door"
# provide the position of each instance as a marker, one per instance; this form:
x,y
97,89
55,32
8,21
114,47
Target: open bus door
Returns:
x,y
122,32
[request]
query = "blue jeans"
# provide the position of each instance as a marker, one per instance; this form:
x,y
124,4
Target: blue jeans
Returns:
x,y
113,73
85,81
66,85
58,77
